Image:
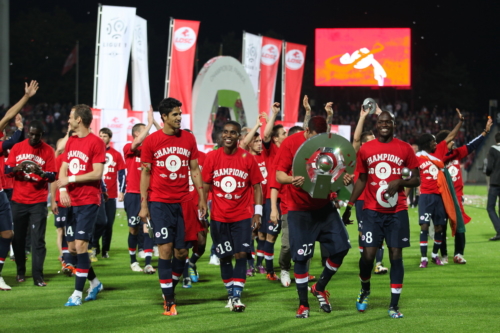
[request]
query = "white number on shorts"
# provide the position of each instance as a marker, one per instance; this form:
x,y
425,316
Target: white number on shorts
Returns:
x,y
307,249
69,231
427,217
227,245
276,227
134,220
164,232
369,237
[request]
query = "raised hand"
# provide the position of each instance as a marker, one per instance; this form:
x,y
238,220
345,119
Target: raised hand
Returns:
x,y
328,108
305,102
30,90
276,108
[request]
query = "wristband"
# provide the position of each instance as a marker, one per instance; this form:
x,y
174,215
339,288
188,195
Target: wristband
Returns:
x,y
485,131
350,204
258,210
62,189
72,179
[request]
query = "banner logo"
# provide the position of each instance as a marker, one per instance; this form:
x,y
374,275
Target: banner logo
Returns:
x,y
270,54
116,29
294,59
184,39
251,54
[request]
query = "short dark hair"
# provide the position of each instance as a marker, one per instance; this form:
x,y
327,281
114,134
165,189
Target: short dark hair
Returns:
x,y
275,131
232,122
85,113
136,129
497,137
294,130
442,135
365,135
256,134
317,124
424,141
107,131
36,124
167,105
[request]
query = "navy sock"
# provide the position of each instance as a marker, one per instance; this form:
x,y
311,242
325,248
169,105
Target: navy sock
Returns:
x,y
226,273
239,276
438,239
4,250
331,266
365,273
269,256
82,271
260,251
380,254
165,276
177,270
424,236
397,274
132,247
185,272
301,279
148,248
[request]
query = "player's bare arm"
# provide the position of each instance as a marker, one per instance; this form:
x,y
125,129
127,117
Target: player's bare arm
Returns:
x,y
359,187
455,130
53,204
283,178
275,215
270,124
249,137
307,117
95,174
145,181
198,183
396,184
257,197
144,133
359,129
329,112
63,193
29,91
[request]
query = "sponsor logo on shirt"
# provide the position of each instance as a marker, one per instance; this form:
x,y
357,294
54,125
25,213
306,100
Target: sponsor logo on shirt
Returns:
x,y
173,176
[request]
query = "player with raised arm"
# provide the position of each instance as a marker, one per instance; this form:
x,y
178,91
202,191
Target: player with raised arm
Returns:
x,y
232,173
132,203
6,225
166,203
80,188
310,220
452,163
431,202
380,164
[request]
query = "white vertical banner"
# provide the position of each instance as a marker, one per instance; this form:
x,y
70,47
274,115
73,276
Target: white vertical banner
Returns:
x,y
116,121
252,47
113,48
141,97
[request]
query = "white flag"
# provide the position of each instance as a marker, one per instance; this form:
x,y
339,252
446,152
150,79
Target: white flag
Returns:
x,y
141,97
116,30
252,45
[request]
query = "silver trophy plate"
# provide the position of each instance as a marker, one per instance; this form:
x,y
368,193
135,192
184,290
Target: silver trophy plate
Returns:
x,y
370,105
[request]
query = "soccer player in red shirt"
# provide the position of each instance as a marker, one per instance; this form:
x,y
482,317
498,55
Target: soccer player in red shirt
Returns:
x,y
310,220
166,158
79,185
29,199
132,153
232,173
268,232
6,226
430,205
379,164
452,163
114,174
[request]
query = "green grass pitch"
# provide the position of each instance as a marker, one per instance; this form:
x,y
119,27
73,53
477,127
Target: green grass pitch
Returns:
x,y
451,298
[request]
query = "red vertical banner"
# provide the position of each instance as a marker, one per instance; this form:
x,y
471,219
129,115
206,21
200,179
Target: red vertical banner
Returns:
x,y
133,117
180,72
295,55
269,61
95,126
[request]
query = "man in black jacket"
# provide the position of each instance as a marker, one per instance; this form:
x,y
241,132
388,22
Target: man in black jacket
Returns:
x,y
493,170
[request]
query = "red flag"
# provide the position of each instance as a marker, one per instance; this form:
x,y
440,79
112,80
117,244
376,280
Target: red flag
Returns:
x,y
70,61
180,76
271,49
295,55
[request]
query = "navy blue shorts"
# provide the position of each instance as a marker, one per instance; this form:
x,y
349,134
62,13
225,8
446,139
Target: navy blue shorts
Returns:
x,y
323,225
132,204
81,224
167,221
394,228
61,218
431,207
267,227
231,238
5,213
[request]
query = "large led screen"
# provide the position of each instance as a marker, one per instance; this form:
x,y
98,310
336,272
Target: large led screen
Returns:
x,y
363,57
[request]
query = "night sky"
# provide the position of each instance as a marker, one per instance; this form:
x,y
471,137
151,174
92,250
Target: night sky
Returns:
x,y
471,31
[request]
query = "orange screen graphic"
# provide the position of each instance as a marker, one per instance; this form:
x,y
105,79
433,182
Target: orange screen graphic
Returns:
x,y
363,57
